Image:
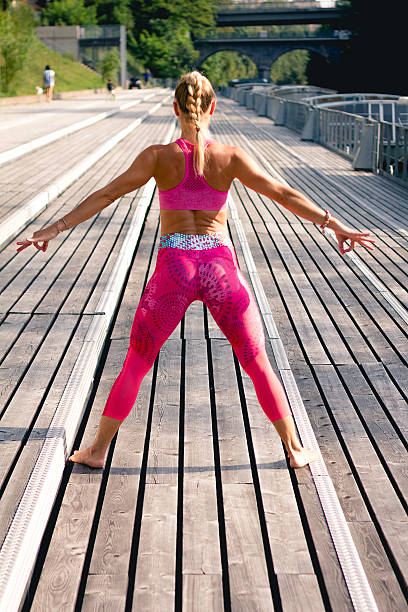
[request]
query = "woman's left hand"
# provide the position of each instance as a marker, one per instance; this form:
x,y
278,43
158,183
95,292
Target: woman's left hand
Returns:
x,y
42,236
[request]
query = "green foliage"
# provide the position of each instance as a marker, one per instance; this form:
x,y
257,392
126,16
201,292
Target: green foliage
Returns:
x,y
291,68
68,12
16,35
226,65
168,51
113,12
110,64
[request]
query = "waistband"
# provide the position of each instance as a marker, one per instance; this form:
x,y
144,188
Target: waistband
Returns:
x,y
194,242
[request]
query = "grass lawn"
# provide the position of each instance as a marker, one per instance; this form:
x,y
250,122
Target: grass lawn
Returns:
x,y
70,75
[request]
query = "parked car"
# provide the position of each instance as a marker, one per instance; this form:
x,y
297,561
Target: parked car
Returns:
x,y
135,82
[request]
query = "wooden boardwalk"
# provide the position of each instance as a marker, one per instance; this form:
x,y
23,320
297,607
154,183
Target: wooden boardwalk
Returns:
x,y
197,508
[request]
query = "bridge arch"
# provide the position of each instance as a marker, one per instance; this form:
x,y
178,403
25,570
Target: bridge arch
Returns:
x,y
264,52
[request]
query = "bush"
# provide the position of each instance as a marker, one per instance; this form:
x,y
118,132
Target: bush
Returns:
x,y
16,36
110,64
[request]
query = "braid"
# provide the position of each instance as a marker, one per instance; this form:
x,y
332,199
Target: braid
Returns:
x,y
194,95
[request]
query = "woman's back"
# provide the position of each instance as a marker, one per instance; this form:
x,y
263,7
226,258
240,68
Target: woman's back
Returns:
x,y
172,169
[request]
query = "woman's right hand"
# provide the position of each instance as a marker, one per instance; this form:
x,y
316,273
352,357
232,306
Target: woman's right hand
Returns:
x,y
343,233
41,236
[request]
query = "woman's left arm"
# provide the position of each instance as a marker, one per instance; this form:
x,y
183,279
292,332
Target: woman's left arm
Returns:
x,y
138,174
251,175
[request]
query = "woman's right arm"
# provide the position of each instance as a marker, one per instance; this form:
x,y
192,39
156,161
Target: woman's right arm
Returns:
x,y
138,174
250,174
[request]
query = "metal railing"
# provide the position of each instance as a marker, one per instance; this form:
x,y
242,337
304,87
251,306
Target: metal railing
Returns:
x,y
102,31
393,151
277,6
282,35
339,131
369,143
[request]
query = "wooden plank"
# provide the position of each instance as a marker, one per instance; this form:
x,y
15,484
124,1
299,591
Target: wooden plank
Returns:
x,y
380,492
27,288
162,465
156,563
10,329
380,575
105,593
32,448
201,545
248,574
112,549
289,548
155,570
24,349
61,574
194,321
296,591
202,593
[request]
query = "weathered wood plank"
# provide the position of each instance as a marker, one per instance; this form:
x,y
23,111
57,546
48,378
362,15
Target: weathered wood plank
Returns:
x,y
155,571
201,545
248,574
31,449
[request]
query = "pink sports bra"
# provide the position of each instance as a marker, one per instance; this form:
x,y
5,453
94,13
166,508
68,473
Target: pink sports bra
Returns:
x,y
193,193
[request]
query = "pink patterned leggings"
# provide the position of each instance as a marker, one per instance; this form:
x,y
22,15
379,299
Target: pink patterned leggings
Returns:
x,y
192,268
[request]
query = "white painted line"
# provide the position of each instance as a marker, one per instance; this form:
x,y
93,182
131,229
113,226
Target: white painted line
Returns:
x,y
353,571
370,276
20,548
15,222
27,147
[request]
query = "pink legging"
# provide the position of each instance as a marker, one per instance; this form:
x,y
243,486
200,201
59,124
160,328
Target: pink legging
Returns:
x,y
180,277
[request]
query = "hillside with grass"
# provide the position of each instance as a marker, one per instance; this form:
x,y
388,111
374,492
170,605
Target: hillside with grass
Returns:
x,y
70,75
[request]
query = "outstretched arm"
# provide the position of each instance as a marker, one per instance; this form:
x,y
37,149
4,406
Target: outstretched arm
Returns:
x,y
251,175
138,174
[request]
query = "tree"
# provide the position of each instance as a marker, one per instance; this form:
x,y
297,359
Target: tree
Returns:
x,y
68,12
163,32
110,64
16,35
227,65
290,68
112,12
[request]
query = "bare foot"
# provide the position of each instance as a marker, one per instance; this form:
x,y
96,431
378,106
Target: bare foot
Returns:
x,y
302,457
88,457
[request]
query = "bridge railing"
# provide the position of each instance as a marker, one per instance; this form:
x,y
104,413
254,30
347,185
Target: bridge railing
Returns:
x,y
393,151
276,6
283,35
370,144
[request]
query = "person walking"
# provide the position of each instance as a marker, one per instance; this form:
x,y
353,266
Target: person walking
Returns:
x,y
196,260
48,82
111,90
146,75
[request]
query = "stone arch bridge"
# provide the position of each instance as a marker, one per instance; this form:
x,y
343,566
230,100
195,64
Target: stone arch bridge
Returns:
x,y
265,51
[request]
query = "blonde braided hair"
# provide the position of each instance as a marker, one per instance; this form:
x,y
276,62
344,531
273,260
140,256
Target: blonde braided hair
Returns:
x,y
194,95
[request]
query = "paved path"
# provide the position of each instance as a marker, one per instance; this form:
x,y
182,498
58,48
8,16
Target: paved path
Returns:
x,y
197,507
22,123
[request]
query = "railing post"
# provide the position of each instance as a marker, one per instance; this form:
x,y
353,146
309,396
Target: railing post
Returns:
x,y
308,132
364,157
281,116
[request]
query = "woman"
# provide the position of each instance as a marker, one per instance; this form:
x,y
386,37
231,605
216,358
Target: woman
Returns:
x,y
196,260
48,82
